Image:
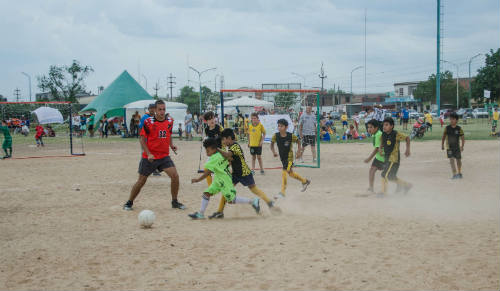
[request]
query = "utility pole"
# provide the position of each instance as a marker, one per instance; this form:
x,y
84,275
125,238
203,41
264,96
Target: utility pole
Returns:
x,y
222,82
16,92
215,82
171,84
365,53
156,88
322,76
29,80
470,89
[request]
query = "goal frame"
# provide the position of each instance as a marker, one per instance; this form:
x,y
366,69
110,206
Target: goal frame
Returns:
x,y
318,127
70,119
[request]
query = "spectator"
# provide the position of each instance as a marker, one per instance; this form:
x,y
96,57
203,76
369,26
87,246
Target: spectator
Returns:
x,y
188,125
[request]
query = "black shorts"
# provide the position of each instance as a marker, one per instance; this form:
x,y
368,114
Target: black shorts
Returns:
x,y
287,165
256,151
309,140
378,164
91,127
454,153
244,180
390,171
146,167
405,120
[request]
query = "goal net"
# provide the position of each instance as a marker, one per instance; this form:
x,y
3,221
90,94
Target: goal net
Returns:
x,y
299,107
43,129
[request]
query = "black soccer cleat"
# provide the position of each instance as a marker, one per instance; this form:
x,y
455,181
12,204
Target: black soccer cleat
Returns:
x,y
128,205
216,215
178,205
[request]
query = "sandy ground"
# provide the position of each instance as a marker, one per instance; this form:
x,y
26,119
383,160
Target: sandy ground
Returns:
x,y
442,235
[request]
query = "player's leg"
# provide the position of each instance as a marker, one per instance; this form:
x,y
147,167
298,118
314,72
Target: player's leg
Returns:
x,y
205,198
305,182
459,168
259,157
453,168
371,178
385,176
392,176
312,142
254,157
136,189
209,180
169,168
284,181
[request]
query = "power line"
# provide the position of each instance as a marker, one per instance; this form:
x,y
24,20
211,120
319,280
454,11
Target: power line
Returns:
x,y
171,84
16,92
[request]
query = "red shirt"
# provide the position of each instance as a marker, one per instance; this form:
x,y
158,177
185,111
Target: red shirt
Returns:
x,y
39,131
157,134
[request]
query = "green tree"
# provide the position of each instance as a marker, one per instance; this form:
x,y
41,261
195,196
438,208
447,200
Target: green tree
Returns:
x,y
285,99
488,78
426,90
189,97
64,82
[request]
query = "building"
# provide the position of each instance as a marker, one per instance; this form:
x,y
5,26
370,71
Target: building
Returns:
x,y
405,88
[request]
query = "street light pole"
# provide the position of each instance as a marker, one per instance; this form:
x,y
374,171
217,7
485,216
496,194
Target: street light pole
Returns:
x,y
456,66
29,80
199,79
359,67
215,82
146,79
470,90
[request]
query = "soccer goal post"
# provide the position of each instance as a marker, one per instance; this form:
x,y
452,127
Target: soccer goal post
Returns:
x,y
301,108
56,128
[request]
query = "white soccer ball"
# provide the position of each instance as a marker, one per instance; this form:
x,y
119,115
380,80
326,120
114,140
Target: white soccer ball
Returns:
x,y
146,218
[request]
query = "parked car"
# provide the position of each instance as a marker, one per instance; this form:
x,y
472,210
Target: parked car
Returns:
x,y
480,113
464,112
413,114
434,114
335,115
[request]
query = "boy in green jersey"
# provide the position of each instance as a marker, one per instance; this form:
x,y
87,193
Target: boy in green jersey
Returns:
x,y
378,162
7,140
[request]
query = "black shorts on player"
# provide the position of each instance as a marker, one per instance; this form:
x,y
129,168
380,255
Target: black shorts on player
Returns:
x,y
390,171
309,140
454,153
146,167
378,164
256,151
244,180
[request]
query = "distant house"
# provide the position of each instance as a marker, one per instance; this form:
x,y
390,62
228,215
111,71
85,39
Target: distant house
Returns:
x,y
405,88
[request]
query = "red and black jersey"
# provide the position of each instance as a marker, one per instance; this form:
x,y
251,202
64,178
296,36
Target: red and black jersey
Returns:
x,y
157,134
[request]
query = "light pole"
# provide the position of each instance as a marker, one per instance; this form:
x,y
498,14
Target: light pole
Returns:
x,y
29,80
359,67
199,79
456,66
215,82
470,89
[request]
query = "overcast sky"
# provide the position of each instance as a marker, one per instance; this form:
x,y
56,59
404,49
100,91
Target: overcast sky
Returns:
x,y
250,42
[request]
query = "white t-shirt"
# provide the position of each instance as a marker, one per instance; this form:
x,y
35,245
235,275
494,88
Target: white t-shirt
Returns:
x,y
308,122
379,114
76,120
356,118
369,117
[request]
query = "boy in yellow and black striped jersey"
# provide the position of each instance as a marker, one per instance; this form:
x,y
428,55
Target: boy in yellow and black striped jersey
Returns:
x,y
212,130
241,172
389,147
284,140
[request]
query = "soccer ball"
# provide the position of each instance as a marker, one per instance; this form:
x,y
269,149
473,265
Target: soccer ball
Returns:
x,y
146,218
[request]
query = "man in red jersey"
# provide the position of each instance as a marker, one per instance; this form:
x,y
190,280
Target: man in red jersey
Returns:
x,y
156,144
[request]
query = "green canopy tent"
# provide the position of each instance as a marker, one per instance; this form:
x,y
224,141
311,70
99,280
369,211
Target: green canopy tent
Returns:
x,y
111,101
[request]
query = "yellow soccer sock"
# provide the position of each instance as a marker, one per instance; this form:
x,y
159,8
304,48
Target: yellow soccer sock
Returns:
x,y
298,177
283,182
255,190
209,180
222,204
384,186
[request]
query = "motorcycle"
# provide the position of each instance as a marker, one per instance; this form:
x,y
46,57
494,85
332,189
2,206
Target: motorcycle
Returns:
x,y
419,129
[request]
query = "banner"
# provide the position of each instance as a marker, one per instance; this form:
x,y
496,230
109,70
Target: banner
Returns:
x,y
487,94
270,123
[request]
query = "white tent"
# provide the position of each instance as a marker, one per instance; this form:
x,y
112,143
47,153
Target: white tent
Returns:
x,y
245,104
176,110
46,115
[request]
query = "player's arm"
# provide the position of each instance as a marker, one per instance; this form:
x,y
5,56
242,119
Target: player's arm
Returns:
x,y
262,136
228,155
272,148
144,146
370,157
299,145
301,123
443,139
203,176
407,152
462,137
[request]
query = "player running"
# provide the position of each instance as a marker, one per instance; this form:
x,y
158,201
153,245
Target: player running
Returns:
x,y
453,134
156,144
7,140
378,161
222,181
284,141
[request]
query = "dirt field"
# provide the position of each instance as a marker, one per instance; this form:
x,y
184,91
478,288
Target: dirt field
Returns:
x,y
62,226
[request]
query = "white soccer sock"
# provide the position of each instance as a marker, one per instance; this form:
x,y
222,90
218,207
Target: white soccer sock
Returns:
x,y
242,200
204,204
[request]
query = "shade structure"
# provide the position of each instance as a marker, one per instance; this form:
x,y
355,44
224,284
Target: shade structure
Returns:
x,y
245,104
123,90
46,115
176,110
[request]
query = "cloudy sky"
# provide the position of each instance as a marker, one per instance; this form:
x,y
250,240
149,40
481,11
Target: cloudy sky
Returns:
x,y
250,42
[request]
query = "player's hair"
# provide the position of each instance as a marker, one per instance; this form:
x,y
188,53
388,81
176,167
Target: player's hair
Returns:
x,y
283,122
159,102
228,132
152,105
255,114
454,115
389,120
373,122
210,143
208,115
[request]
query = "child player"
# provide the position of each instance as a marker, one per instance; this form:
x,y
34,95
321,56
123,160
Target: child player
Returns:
x,y
212,130
284,141
378,162
390,148
39,135
256,134
7,140
241,171
453,133
222,181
